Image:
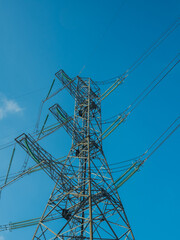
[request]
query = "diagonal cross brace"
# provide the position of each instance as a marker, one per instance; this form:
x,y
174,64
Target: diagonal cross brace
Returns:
x,y
55,170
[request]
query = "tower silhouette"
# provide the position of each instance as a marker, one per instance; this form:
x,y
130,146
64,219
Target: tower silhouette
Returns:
x,y
84,203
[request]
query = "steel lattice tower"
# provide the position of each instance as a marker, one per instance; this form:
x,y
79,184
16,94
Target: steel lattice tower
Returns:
x,y
84,203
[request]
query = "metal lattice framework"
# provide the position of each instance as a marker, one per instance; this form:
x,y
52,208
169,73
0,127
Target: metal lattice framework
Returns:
x,y
84,203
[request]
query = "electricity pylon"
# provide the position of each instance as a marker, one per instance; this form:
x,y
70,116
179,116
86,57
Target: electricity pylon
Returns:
x,y
84,203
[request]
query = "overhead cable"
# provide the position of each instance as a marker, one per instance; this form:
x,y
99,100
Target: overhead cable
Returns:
x,y
141,59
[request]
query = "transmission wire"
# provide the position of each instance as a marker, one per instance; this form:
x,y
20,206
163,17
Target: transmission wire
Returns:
x,y
135,103
145,54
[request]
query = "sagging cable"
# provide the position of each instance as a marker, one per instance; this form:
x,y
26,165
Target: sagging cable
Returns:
x,y
140,98
148,153
119,79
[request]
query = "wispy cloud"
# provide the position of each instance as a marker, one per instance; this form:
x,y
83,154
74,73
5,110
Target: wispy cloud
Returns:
x,y
8,106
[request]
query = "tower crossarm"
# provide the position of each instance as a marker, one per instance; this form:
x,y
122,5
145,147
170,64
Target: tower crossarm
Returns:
x,y
66,121
74,88
55,170
67,81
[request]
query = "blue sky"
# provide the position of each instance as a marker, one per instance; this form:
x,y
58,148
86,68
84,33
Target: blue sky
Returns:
x,y
40,37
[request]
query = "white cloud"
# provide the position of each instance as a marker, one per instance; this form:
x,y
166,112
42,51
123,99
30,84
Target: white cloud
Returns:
x,y
8,106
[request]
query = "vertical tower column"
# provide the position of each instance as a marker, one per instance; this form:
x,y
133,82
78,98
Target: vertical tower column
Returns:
x,y
89,162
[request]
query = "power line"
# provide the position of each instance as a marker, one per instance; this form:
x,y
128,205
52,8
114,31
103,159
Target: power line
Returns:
x,y
141,59
148,89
